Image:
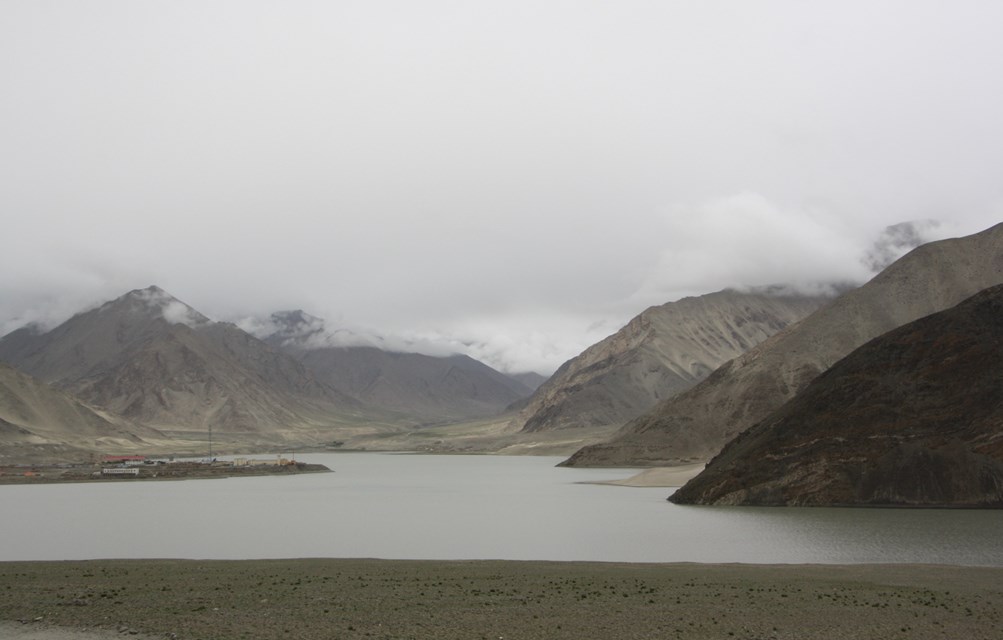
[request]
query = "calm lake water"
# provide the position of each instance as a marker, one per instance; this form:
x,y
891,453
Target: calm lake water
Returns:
x,y
463,507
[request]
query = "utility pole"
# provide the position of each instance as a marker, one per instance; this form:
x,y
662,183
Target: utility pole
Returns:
x,y
210,443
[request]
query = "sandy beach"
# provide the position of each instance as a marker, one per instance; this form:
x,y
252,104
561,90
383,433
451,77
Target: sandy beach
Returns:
x,y
326,598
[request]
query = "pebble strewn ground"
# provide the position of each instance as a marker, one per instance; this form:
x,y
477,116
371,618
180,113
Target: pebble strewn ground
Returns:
x,y
494,600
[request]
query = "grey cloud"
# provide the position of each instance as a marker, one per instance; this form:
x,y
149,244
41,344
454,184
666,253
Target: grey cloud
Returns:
x,y
301,330
896,240
491,177
173,310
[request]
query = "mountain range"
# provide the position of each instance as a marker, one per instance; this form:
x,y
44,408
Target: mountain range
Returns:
x,y
147,371
914,418
428,388
695,424
662,351
147,368
155,361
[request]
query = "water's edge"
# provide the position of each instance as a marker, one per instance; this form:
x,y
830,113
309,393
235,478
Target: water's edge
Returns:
x,y
463,508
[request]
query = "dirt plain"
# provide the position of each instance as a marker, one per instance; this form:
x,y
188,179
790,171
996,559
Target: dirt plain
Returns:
x,y
331,598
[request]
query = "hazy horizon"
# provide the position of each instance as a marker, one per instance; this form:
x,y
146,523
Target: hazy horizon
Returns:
x,y
508,180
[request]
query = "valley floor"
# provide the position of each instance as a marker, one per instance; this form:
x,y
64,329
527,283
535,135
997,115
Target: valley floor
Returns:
x,y
495,436
492,599
490,435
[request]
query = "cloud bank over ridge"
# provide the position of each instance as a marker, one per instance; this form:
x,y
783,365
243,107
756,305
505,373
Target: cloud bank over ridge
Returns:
x,y
510,180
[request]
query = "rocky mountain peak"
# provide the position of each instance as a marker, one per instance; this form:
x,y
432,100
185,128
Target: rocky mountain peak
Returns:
x,y
155,302
295,328
897,240
660,352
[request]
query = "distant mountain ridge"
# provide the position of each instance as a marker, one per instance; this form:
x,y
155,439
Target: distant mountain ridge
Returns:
x,y
662,351
530,379
696,424
913,417
147,361
428,387
152,359
98,340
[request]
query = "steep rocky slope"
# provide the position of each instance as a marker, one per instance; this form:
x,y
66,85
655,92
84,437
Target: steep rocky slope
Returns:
x,y
659,353
429,388
35,418
529,379
695,424
99,340
435,388
153,359
913,417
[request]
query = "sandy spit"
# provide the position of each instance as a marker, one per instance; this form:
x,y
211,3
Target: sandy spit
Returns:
x,y
658,477
267,599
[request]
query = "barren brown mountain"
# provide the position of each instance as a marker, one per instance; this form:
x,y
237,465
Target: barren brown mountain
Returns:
x,y
659,353
427,388
695,424
913,417
39,421
153,359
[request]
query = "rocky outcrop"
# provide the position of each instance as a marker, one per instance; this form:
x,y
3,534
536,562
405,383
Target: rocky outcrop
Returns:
x,y
913,418
664,350
697,423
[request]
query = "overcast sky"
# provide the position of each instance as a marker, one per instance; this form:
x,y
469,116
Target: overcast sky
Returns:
x,y
514,178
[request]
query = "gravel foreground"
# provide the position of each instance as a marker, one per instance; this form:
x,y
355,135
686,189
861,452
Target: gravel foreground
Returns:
x,y
492,600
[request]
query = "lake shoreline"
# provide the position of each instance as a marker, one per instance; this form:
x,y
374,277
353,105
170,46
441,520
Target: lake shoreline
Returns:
x,y
666,477
90,473
346,598
456,507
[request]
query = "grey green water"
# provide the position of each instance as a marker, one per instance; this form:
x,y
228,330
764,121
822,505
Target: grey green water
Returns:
x,y
463,507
